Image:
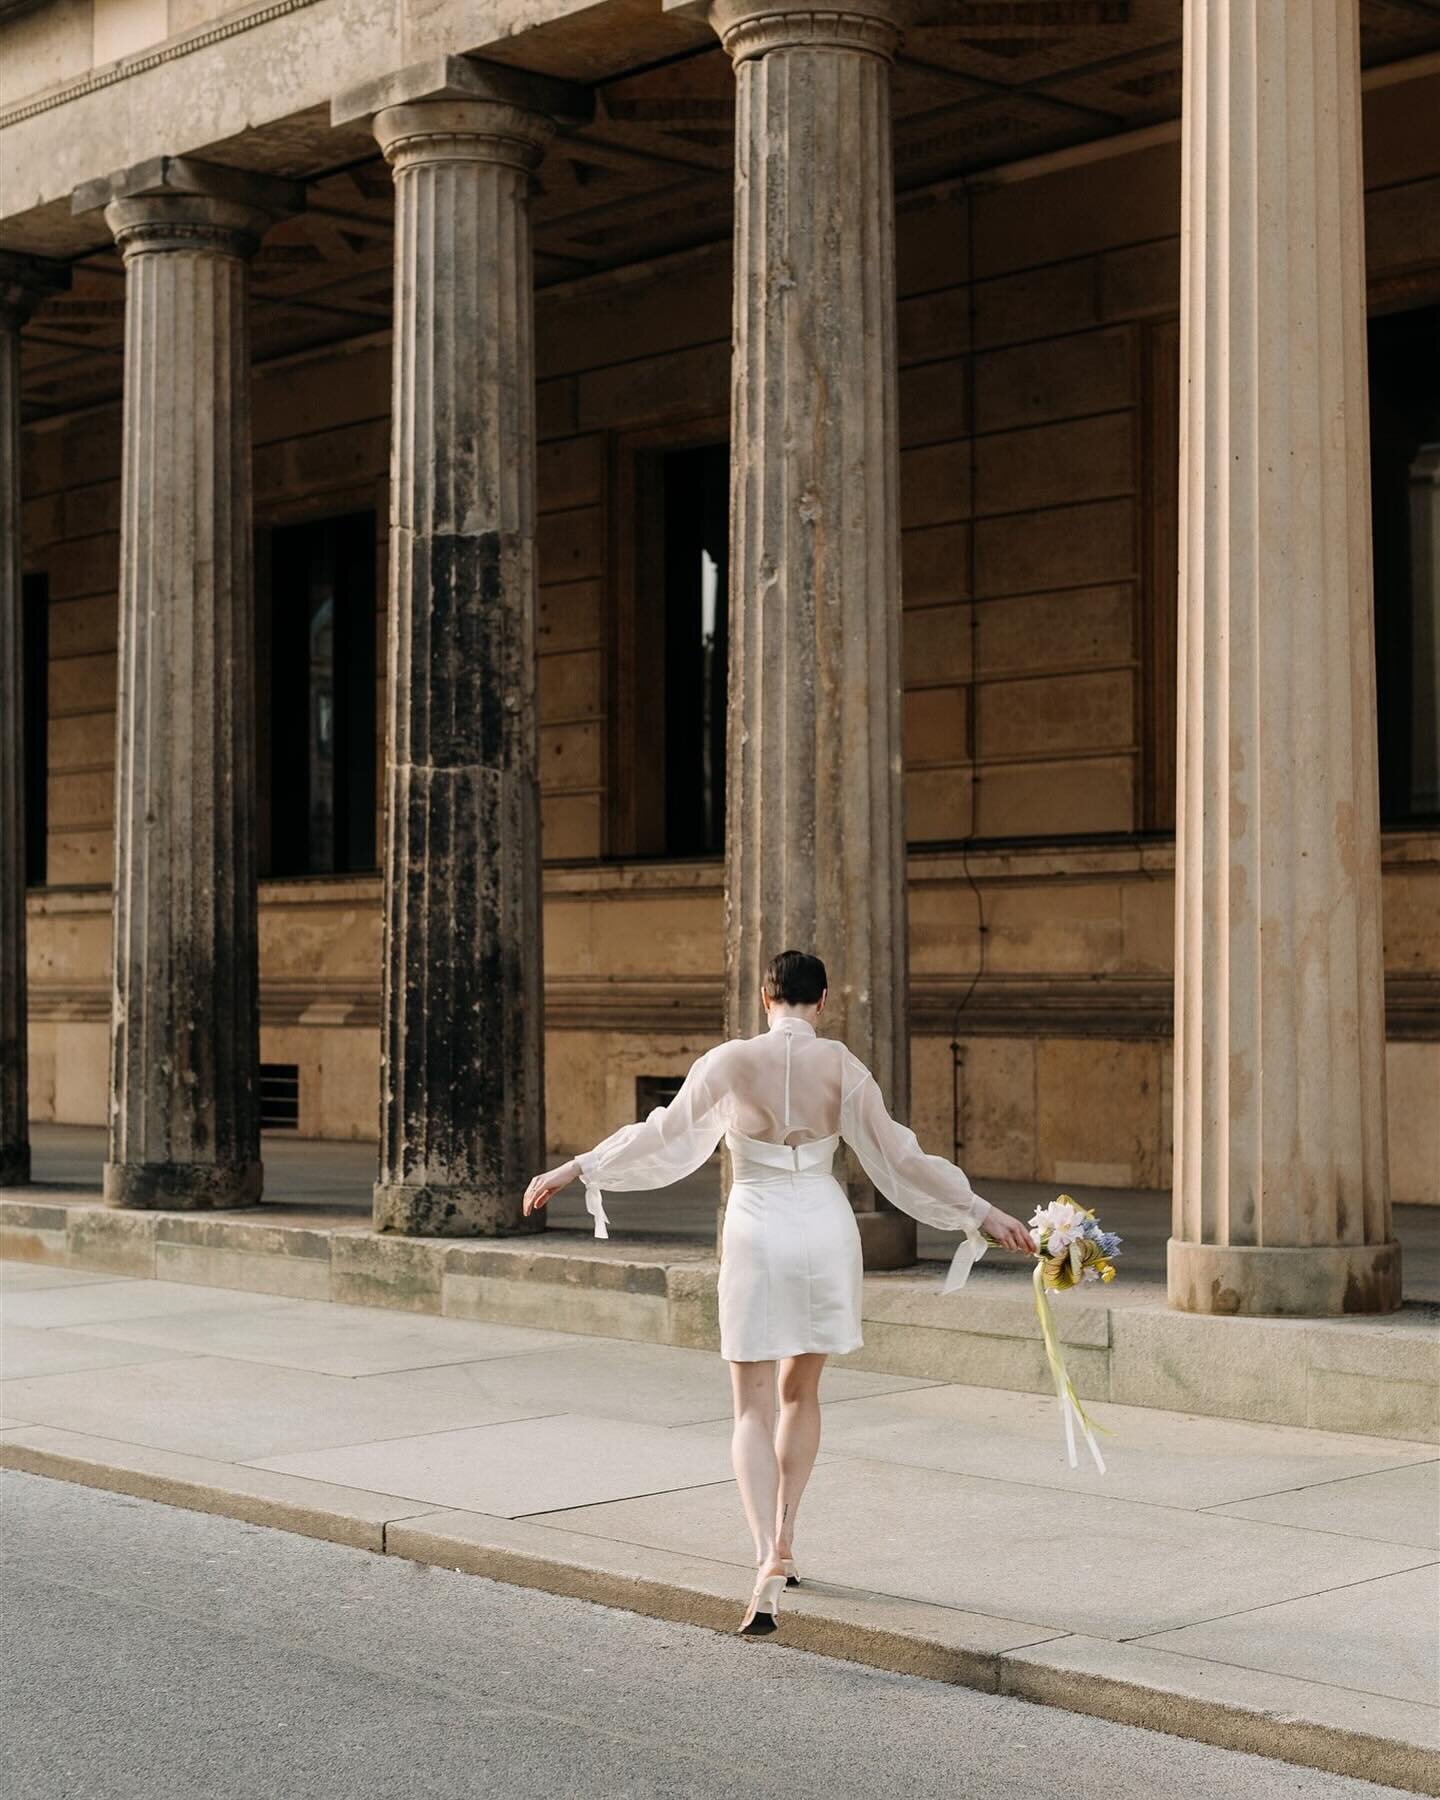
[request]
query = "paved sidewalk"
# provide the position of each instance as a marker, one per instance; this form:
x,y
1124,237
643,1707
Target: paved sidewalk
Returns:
x,y
1262,1587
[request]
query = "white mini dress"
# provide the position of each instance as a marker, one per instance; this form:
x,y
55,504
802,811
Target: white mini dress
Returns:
x,y
790,1255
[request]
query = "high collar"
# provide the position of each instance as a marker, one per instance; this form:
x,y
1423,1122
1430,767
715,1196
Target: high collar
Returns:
x,y
790,1022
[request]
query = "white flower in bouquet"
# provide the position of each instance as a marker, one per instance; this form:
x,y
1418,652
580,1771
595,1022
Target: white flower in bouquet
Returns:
x,y
1059,1225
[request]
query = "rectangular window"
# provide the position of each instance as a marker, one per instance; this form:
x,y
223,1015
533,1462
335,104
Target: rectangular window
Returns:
x,y
1405,506
671,649
35,601
696,498
317,643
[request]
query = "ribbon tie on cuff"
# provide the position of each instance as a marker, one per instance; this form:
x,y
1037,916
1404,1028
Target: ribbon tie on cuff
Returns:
x,y
595,1206
967,1253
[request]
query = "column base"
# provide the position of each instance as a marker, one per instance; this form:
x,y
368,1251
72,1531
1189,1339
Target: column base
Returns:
x,y
183,1187
1280,1281
14,1165
432,1211
887,1239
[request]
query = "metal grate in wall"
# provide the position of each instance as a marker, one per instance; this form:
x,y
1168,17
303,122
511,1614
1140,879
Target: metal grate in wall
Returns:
x,y
279,1096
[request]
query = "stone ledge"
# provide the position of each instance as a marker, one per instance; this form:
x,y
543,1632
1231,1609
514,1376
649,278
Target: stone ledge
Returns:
x,y
1128,1007
1298,1722
1380,1376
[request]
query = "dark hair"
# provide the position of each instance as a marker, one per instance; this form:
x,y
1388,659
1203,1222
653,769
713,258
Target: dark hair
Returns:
x,y
795,978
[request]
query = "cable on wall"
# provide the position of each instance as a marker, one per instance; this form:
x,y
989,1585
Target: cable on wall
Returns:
x,y
957,1053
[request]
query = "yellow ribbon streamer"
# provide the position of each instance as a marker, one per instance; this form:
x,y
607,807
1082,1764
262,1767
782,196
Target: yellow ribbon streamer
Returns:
x,y
1071,1410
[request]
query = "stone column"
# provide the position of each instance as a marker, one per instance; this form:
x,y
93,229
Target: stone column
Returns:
x,y
462,1119
815,841
184,1067
24,281
1281,1200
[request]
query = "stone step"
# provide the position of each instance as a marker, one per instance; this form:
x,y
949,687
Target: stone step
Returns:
x,y
1377,1375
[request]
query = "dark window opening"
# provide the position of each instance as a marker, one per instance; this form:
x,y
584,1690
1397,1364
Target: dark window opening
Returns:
x,y
279,1096
695,490
655,1090
317,646
671,647
1405,506
35,675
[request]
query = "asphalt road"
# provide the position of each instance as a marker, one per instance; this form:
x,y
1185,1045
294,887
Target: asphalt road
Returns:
x,y
151,1652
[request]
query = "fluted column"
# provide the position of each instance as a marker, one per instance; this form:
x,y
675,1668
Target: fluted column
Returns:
x,y
462,1124
184,1068
1281,1201
23,282
815,843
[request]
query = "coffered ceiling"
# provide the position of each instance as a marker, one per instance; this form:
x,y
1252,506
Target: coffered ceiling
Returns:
x,y
995,81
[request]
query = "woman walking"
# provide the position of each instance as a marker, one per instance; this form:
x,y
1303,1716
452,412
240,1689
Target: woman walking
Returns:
x,y
790,1255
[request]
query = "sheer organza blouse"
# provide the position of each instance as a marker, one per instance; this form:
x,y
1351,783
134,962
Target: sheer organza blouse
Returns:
x,y
787,1086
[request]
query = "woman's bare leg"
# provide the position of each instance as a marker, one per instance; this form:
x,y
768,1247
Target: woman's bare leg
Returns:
x,y
798,1439
752,1450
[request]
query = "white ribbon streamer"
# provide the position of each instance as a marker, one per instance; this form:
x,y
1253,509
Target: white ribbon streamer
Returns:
x,y
967,1253
595,1206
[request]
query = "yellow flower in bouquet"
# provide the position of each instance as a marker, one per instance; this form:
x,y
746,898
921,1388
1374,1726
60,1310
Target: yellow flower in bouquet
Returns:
x,y
1071,1266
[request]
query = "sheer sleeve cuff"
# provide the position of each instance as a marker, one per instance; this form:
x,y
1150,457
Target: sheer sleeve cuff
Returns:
x,y
594,1203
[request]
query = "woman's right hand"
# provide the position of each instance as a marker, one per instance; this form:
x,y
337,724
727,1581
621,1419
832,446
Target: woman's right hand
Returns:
x,y
1007,1233
551,1182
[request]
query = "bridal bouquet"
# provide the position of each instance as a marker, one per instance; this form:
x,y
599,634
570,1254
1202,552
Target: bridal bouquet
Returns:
x,y
1071,1250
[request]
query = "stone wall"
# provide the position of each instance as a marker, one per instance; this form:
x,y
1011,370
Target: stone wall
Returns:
x,y
1038,402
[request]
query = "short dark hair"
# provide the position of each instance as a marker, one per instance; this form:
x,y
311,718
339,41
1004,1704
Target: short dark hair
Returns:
x,y
795,978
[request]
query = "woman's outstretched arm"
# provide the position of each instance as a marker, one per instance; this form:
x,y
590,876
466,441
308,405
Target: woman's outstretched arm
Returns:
x,y
670,1143
929,1188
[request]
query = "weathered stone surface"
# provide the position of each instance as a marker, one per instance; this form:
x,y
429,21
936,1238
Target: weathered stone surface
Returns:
x,y
1281,1190
23,281
462,1100
815,722
184,1072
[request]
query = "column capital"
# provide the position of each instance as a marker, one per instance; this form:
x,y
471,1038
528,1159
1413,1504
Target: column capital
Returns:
x,y
751,28
459,109
177,203
24,282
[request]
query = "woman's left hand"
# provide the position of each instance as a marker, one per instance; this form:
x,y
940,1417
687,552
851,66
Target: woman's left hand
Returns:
x,y
543,1186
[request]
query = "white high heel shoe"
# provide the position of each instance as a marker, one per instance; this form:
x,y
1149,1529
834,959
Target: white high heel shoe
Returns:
x,y
791,1578
763,1613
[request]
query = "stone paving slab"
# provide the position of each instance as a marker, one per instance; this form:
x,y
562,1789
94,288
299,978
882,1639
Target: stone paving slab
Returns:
x,y
525,1466
1370,1636
1259,1586
27,1350
331,1340
990,1546
343,1515
16,1277
1398,1506
1167,1458
653,1384
106,1302
216,1406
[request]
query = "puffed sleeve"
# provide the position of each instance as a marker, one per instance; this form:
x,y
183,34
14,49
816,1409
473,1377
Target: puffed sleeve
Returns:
x,y
669,1144
927,1187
